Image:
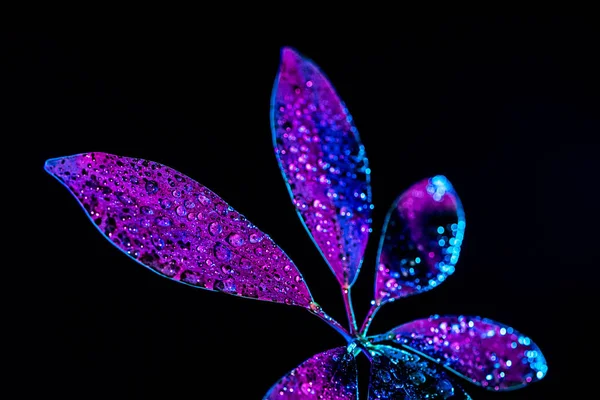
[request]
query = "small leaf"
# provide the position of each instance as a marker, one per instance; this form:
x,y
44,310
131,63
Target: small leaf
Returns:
x,y
330,375
397,374
178,228
421,240
323,163
482,351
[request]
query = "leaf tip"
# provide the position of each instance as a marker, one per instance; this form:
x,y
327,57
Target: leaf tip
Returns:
x,y
441,182
50,165
61,166
288,52
290,58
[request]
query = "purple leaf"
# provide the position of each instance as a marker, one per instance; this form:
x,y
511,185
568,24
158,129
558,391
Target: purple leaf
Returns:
x,y
178,228
421,240
397,374
323,163
485,352
330,375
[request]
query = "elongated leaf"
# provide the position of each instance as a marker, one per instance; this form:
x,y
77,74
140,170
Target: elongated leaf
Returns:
x,y
397,374
421,240
482,351
330,375
178,228
323,163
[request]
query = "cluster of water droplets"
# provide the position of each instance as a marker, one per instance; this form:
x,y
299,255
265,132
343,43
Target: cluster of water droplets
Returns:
x,y
179,228
329,375
323,162
488,353
422,239
397,374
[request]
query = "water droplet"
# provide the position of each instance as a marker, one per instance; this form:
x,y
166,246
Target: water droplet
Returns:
x,y
229,285
215,228
181,211
417,378
176,193
222,209
189,204
151,187
203,199
158,243
226,269
132,228
256,237
345,212
146,210
163,221
166,204
235,239
204,246
391,284
193,278
123,198
171,269
307,389
384,375
445,388
245,263
298,278
300,203
222,252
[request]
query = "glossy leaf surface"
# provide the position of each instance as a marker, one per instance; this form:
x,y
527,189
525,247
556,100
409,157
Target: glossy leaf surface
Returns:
x,y
330,375
323,163
397,374
482,351
421,240
178,228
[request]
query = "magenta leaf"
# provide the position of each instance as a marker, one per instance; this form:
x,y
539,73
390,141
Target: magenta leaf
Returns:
x,y
323,163
330,375
421,240
482,351
178,228
397,374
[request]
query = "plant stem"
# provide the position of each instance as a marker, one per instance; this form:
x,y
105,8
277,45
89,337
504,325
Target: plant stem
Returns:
x,y
369,318
349,310
316,310
361,345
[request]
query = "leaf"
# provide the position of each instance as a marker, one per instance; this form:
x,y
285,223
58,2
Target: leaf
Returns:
x,y
397,374
323,163
421,240
482,351
330,375
178,228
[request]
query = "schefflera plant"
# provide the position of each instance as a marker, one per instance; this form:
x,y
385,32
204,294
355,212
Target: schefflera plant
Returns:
x,y
181,230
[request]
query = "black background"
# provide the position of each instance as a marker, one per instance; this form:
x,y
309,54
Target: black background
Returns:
x,y
506,108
